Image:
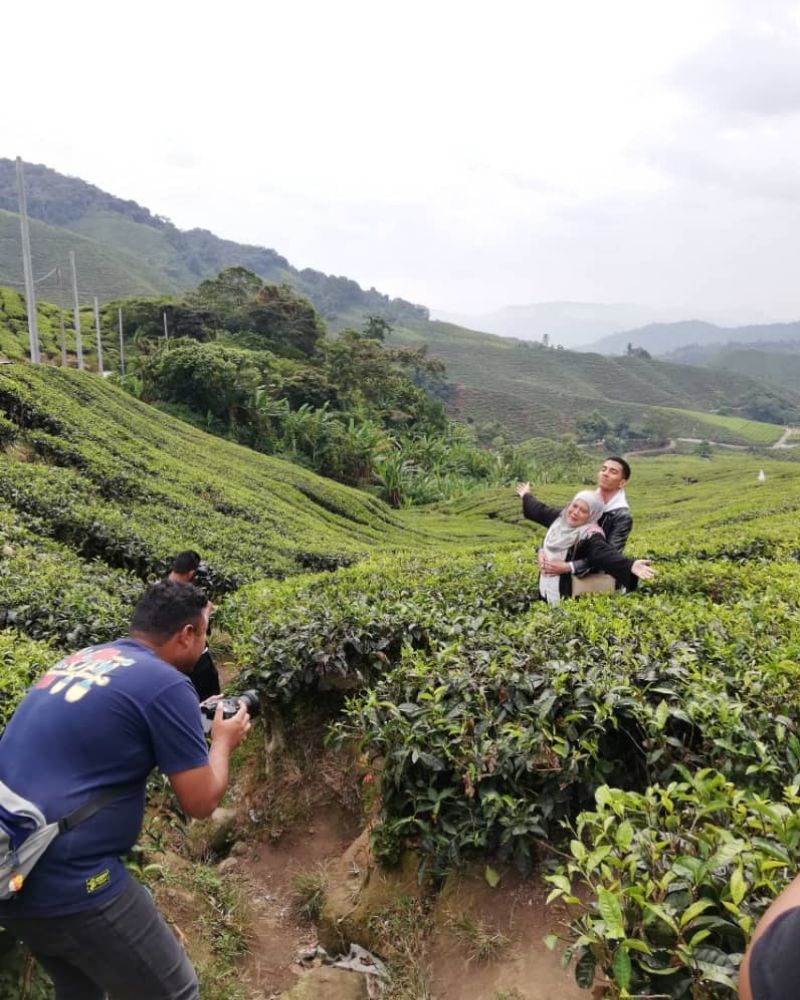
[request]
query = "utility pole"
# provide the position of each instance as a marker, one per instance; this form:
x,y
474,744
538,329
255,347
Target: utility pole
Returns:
x,y
166,331
77,312
99,341
30,296
63,335
121,344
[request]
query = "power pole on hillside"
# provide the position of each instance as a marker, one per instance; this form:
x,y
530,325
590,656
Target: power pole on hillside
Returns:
x,y
63,335
30,297
77,310
99,341
121,344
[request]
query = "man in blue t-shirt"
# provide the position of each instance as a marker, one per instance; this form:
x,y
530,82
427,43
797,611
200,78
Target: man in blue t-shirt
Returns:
x,y
105,716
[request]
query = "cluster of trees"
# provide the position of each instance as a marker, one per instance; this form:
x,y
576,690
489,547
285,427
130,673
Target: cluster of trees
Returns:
x,y
616,436
251,361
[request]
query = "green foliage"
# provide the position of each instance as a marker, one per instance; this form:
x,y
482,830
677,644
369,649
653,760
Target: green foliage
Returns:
x,y
669,883
22,662
487,719
20,975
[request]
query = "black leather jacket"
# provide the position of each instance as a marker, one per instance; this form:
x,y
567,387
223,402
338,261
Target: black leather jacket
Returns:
x,y
616,525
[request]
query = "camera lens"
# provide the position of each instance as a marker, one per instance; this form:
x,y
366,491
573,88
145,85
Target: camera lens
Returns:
x,y
251,702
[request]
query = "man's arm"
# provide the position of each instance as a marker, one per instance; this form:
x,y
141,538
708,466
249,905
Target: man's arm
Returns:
x,y
200,789
616,529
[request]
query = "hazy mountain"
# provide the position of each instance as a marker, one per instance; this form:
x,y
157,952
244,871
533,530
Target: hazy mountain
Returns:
x,y
573,324
126,250
663,338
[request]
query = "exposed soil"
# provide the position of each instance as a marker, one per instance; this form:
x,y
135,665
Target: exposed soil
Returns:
x,y
268,869
524,969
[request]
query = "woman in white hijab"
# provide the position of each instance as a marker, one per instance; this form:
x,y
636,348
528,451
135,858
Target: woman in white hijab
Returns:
x,y
573,533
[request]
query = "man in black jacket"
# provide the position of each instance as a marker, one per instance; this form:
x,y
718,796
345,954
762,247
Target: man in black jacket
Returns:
x,y
204,675
616,519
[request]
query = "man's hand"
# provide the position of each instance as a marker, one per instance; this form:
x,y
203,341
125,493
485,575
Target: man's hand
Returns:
x,y
230,732
643,569
522,488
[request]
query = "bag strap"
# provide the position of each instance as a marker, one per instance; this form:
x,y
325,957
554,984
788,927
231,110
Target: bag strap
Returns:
x,y
94,805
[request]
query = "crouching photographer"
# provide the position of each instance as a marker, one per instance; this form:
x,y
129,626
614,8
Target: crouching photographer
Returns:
x,y
74,760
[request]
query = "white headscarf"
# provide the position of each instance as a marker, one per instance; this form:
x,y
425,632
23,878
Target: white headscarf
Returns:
x,y
561,536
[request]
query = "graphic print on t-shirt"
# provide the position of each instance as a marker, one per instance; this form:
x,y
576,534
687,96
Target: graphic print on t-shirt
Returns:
x,y
78,673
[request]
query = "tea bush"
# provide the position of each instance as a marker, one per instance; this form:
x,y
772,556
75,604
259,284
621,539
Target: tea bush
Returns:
x,y
21,662
669,883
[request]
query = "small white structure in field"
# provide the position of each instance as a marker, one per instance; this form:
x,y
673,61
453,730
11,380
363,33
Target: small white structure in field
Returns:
x,y
761,477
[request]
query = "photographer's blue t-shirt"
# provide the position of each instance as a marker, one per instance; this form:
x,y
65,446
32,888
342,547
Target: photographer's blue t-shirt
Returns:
x,y
106,715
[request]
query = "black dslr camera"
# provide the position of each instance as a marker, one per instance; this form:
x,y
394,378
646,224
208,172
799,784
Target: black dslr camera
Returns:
x,y
202,576
230,706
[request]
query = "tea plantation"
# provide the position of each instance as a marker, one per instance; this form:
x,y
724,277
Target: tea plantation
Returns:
x,y
642,750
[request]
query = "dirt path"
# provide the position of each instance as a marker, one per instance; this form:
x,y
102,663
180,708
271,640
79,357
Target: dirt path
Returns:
x,y
789,432
267,870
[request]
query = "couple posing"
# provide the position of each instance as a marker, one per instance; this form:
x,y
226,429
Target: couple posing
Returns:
x,y
582,550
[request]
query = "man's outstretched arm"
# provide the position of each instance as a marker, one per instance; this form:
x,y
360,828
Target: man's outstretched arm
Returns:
x,y
200,789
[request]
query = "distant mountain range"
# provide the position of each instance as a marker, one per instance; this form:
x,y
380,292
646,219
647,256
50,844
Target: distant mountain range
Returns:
x,y
577,325
665,338
125,250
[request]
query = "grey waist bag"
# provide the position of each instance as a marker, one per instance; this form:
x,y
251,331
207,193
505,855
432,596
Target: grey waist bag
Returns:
x,y
25,833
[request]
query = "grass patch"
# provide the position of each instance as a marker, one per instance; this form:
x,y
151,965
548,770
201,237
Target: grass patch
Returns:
x,y
402,931
308,893
482,944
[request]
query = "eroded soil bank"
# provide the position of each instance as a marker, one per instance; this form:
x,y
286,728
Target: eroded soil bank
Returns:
x,y
298,814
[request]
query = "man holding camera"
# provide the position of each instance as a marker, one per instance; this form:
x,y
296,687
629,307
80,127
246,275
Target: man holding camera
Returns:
x,y
102,719
187,567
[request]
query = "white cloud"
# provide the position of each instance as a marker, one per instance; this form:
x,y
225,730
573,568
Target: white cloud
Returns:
x,y
461,154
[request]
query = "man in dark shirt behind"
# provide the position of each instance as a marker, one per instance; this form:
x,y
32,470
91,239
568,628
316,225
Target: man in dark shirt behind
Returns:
x,y
102,717
771,965
616,519
204,675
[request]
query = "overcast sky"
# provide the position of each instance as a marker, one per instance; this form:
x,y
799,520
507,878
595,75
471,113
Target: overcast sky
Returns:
x,y
460,154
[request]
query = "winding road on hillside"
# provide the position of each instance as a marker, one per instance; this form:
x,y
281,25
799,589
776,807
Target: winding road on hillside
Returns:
x,y
788,433
782,442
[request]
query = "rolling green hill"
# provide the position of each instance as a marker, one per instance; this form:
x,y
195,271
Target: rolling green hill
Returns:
x,y
535,390
91,455
778,363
